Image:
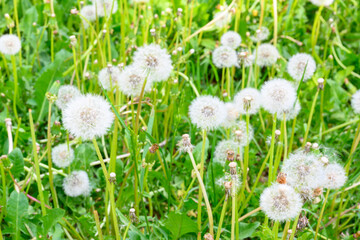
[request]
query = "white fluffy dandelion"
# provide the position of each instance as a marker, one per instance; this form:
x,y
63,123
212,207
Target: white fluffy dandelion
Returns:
x,y
290,113
9,44
335,176
296,66
89,13
281,202
231,116
355,102
207,112
248,100
65,94
131,81
223,18
109,77
245,58
62,155
106,7
241,134
88,116
231,39
261,34
322,2
228,180
224,56
267,55
154,62
278,95
76,184
224,149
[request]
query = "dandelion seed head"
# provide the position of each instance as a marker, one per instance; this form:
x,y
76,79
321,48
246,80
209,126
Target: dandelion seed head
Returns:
x,y
184,144
207,112
260,34
222,149
355,102
267,55
231,116
296,66
131,81
290,113
224,56
88,12
77,183
154,61
106,7
88,116
281,202
322,2
245,58
228,180
109,77
9,44
223,20
335,176
278,95
62,155
240,133
248,100
65,94
231,39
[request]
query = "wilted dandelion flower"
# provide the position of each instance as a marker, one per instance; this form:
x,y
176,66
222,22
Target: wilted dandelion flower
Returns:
x,y
248,100
88,12
278,95
226,149
231,116
9,44
240,133
65,94
281,202
267,55
290,113
296,66
304,172
355,102
322,2
261,34
106,7
62,155
224,56
227,182
109,77
131,81
76,184
245,58
185,144
223,20
335,176
207,112
154,61
88,116
231,39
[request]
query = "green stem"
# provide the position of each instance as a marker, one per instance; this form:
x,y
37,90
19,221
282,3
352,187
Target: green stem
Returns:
x,y
272,146
321,214
13,62
293,229
221,218
286,228
310,117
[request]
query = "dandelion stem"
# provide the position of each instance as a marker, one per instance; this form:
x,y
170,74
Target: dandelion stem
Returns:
x,y
321,214
293,230
16,87
310,117
272,146
221,218
96,217
286,228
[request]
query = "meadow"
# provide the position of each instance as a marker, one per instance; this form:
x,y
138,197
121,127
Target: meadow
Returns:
x,y
173,119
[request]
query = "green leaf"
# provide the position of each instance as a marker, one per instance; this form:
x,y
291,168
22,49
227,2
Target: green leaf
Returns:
x,y
180,224
17,209
17,159
247,229
52,216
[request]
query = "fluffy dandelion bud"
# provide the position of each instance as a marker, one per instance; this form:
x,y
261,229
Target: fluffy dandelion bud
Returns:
x,y
112,177
76,184
277,133
231,116
208,236
88,116
230,155
248,101
315,146
355,102
89,13
322,2
65,94
191,51
74,11
280,202
109,77
278,96
299,63
132,215
106,7
308,147
227,186
232,166
261,34
185,144
267,55
242,135
335,176
152,32
9,44
222,150
62,155
224,56
321,83
231,39
207,112
154,61
73,40
324,160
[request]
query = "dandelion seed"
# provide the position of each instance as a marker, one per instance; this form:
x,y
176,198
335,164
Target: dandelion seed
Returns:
x,y
267,55
88,12
280,202
290,113
109,77
223,148
224,56
223,19
240,134
231,116
278,96
245,58
131,81
296,66
9,44
355,102
248,101
322,2
231,39
65,94
88,116
185,144
154,61
335,176
261,34
207,112
76,184
62,155
106,7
